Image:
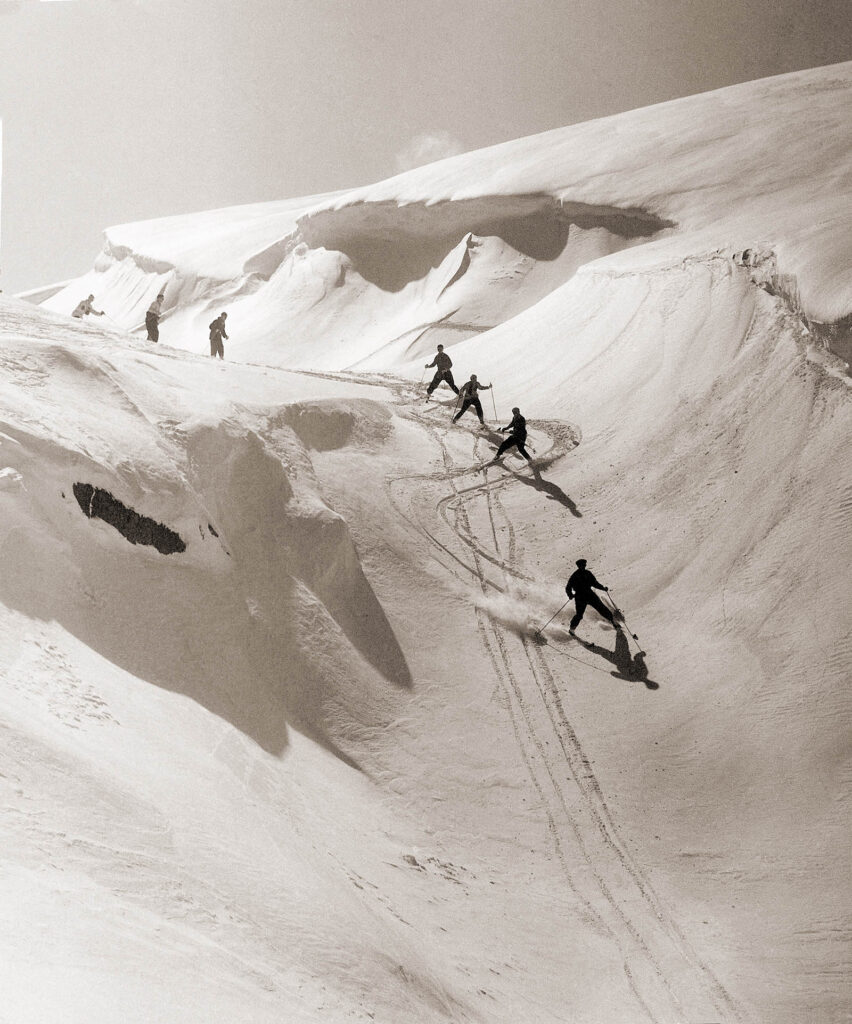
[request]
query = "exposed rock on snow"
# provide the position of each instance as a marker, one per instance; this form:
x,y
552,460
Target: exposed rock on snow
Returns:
x,y
323,766
99,504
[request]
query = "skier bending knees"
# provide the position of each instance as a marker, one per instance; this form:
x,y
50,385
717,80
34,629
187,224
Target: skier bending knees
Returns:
x,y
469,398
580,587
518,436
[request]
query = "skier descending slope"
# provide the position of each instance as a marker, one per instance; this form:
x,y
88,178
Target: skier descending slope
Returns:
x,y
468,397
152,318
518,436
86,306
580,587
217,332
443,363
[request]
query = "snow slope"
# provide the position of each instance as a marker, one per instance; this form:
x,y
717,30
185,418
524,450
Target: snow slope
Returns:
x,y
383,269
315,763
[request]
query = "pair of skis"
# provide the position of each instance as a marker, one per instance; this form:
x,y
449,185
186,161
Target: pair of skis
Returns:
x,y
616,610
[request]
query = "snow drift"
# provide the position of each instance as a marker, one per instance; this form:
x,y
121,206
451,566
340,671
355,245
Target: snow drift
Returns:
x,y
322,763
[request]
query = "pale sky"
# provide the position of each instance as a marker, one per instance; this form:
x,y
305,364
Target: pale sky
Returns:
x,y
121,110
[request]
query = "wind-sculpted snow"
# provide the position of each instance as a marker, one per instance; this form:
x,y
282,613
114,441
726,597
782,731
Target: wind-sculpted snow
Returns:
x,y
355,278
341,757
391,245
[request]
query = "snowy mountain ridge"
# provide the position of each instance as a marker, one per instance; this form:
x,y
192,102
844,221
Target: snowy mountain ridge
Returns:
x,y
316,761
733,169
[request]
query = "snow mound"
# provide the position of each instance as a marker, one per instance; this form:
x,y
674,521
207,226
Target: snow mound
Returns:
x,y
319,280
331,760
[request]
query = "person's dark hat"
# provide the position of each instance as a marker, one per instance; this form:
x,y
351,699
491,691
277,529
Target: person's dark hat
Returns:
x,y
581,562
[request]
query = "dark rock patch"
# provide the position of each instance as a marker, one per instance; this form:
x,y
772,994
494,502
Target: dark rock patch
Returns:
x,y
99,504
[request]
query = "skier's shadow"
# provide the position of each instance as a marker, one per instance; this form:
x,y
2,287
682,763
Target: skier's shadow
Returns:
x,y
629,667
553,491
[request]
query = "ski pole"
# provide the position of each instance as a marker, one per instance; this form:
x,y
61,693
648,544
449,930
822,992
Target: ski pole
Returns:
x,y
552,617
493,403
621,613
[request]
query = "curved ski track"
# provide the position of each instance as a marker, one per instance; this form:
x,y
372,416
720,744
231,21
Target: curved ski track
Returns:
x,y
670,982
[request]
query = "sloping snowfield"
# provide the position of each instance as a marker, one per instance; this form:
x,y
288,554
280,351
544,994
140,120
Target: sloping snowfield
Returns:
x,y
282,741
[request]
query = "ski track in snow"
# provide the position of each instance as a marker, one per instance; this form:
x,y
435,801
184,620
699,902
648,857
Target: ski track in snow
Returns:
x,y
677,340
662,969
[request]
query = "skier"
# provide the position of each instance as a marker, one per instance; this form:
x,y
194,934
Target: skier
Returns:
x,y
468,397
152,317
86,306
518,437
217,332
443,363
579,587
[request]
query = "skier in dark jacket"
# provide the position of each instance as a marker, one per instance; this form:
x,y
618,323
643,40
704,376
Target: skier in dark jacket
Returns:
x,y
518,436
86,306
443,363
152,318
217,332
468,397
580,587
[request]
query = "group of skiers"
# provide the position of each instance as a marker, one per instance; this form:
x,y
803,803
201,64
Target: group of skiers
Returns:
x,y
582,583
469,398
152,322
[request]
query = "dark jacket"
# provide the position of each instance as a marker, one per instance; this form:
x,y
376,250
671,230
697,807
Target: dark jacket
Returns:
x,y
217,329
518,428
442,361
470,388
581,582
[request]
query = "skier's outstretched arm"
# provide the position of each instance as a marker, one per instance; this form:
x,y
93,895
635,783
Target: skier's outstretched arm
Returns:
x,y
598,586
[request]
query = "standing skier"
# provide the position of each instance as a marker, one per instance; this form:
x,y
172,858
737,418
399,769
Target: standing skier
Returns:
x,y
443,363
468,397
86,306
217,332
518,436
152,318
580,587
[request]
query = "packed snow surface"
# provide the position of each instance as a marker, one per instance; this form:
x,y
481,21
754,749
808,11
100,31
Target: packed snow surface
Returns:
x,y
285,737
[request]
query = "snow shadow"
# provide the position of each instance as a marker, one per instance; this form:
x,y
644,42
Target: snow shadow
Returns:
x,y
629,667
552,491
391,245
269,625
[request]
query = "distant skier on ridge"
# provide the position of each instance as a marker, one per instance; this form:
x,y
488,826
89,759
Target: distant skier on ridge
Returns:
x,y
580,587
518,437
217,332
443,363
469,397
152,318
86,306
